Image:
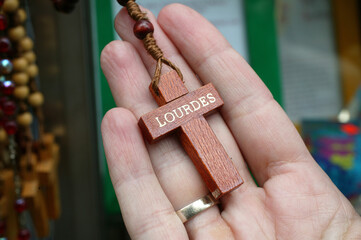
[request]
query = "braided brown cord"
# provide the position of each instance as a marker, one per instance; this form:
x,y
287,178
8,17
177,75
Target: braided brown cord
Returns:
x,y
151,46
134,11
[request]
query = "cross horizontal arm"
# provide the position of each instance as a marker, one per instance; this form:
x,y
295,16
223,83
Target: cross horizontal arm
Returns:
x,y
166,119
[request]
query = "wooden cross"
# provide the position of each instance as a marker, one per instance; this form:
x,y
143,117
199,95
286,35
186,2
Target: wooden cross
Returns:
x,y
48,180
36,206
185,112
47,170
33,196
7,210
48,148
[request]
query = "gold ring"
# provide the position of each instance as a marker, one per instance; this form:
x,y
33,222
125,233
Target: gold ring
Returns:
x,y
196,207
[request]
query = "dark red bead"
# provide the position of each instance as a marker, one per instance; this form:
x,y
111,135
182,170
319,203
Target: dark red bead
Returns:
x,y
7,87
24,234
20,205
8,107
3,99
1,3
68,7
142,28
58,4
123,2
5,45
10,127
2,228
3,22
3,120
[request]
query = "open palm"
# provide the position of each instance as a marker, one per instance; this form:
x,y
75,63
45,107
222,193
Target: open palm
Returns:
x,y
295,200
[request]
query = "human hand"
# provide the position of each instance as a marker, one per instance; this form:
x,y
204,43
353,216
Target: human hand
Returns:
x,y
295,200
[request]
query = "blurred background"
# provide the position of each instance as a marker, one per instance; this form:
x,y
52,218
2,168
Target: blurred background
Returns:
x,y
307,52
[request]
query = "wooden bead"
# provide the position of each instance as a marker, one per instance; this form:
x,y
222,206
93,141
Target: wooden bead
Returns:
x,y
36,99
20,78
30,56
48,139
26,44
123,2
21,92
20,16
142,28
3,135
17,33
32,70
10,5
25,119
20,64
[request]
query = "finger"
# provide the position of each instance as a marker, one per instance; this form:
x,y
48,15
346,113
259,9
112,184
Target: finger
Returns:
x,y
127,77
147,212
124,27
266,136
175,171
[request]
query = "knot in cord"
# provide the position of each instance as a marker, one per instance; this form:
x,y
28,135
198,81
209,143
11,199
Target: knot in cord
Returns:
x,y
151,46
134,11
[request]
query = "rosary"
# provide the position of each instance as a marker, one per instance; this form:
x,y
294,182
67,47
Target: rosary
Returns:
x,y
29,156
184,113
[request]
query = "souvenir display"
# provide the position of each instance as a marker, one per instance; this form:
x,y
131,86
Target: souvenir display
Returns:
x,y
336,145
336,148
29,156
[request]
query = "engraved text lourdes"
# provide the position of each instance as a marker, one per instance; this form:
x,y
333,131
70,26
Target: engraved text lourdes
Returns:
x,y
186,109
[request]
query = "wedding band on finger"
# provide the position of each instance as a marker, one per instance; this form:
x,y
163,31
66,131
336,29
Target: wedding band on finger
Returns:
x,y
196,207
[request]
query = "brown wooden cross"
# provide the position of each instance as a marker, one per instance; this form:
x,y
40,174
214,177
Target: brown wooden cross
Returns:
x,y
7,210
47,171
185,112
48,181
33,196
